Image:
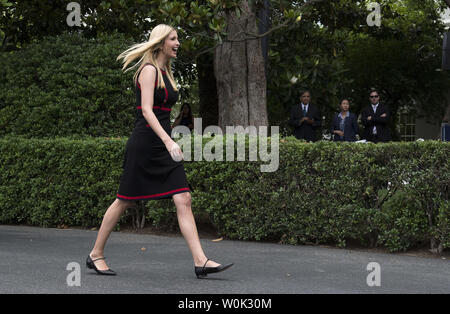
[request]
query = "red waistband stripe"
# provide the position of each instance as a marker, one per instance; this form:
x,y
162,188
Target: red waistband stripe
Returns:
x,y
153,195
163,108
156,107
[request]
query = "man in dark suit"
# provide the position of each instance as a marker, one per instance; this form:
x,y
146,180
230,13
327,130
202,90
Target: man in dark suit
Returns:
x,y
305,118
375,117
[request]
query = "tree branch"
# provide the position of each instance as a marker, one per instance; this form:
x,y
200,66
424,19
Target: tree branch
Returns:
x,y
284,24
447,2
257,36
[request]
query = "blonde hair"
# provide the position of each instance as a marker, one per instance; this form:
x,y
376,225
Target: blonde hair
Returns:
x,y
148,52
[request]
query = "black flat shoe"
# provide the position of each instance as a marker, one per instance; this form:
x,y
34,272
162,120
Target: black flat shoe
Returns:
x,y
203,272
90,264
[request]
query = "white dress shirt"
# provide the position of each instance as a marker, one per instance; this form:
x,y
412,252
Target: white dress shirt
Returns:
x,y
374,107
305,107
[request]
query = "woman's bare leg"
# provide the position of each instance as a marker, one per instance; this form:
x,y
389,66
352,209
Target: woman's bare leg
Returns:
x,y
188,228
110,220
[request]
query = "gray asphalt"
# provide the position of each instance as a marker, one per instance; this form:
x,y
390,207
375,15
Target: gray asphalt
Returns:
x,y
34,260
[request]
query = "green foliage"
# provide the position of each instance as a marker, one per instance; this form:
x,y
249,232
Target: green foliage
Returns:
x,y
23,21
135,18
403,221
60,181
394,195
66,85
329,50
441,231
335,54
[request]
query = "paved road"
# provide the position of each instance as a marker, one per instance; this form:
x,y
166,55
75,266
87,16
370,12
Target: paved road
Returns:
x,y
34,260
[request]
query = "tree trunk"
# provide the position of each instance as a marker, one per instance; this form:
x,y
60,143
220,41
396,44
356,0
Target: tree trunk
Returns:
x,y
447,2
207,90
447,114
240,74
446,118
264,26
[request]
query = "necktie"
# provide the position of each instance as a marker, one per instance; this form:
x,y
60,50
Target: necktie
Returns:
x,y
304,110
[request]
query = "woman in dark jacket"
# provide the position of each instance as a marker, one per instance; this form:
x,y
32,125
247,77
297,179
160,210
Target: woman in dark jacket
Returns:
x,y
345,124
185,117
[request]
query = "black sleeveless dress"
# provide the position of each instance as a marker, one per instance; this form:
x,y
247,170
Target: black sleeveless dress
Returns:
x,y
149,172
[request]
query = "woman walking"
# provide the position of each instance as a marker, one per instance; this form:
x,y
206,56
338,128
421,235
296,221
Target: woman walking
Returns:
x,y
152,167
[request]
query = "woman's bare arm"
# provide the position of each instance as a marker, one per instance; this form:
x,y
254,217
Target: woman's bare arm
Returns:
x,y
147,80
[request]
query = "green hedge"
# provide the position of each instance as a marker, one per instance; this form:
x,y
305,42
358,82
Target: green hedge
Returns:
x,y
66,85
394,195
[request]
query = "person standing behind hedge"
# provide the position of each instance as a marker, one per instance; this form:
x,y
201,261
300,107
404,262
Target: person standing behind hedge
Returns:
x,y
375,118
152,167
185,117
305,118
345,124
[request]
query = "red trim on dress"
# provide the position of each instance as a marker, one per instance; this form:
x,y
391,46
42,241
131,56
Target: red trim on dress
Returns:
x,y
156,107
154,195
163,108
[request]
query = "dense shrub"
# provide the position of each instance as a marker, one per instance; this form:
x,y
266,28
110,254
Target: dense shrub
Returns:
x,y
66,85
395,195
402,221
